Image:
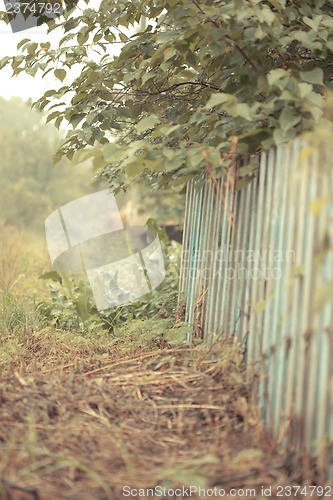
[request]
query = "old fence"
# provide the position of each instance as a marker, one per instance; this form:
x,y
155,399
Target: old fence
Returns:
x,y
258,263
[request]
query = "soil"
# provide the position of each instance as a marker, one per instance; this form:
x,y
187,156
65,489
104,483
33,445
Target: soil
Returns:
x,y
83,425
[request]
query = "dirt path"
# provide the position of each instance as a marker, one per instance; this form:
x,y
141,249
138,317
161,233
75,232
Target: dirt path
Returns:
x,y
76,424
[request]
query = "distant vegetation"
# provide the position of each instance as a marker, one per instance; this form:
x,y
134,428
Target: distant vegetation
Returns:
x,y
30,187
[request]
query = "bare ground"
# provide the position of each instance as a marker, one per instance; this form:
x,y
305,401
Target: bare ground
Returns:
x,y
81,419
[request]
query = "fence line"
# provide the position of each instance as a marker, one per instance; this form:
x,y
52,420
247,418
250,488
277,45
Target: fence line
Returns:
x,y
258,263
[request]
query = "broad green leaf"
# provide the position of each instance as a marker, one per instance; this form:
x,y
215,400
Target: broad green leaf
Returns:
x,y
307,38
279,136
169,53
268,16
32,48
243,183
314,22
316,112
147,123
82,155
249,169
4,61
278,4
243,110
134,168
98,162
51,116
22,42
58,121
314,76
288,119
275,75
82,38
79,97
76,119
60,74
113,152
304,89
136,145
217,99
51,275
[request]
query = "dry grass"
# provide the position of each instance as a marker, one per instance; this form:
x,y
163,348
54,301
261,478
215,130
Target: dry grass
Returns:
x,y
10,256
80,418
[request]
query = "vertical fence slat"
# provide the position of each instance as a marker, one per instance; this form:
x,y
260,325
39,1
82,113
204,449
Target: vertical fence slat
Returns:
x,y
269,302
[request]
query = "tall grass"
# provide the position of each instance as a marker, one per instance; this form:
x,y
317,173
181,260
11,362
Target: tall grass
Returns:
x,y
10,257
22,259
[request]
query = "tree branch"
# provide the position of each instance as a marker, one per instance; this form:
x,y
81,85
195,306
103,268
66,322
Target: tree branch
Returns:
x,y
226,38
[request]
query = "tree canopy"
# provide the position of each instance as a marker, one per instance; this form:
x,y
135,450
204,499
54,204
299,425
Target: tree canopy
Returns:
x,y
165,87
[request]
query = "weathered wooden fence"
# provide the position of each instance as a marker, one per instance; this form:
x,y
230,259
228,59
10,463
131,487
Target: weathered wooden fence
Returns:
x,y
258,263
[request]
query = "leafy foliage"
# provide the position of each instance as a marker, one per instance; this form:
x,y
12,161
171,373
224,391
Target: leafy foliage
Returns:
x,y
175,92
72,306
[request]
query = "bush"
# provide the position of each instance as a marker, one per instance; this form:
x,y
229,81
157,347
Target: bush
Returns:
x,y
72,307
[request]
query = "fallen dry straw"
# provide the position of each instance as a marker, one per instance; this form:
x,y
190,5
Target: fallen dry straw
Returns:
x,y
172,417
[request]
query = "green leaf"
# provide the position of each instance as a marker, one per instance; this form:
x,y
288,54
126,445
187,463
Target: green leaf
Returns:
x,y
134,168
98,162
76,119
275,75
82,38
60,74
304,89
315,76
82,155
51,116
51,275
307,38
169,53
147,123
4,61
218,99
113,152
178,335
249,169
79,97
316,112
267,16
32,48
243,110
243,183
58,121
22,42
278,4
288,119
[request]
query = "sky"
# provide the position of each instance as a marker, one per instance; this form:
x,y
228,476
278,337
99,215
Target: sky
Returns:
x,y
23,85
26,86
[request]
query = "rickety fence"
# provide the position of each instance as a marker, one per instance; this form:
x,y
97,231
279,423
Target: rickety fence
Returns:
x,y
258,263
